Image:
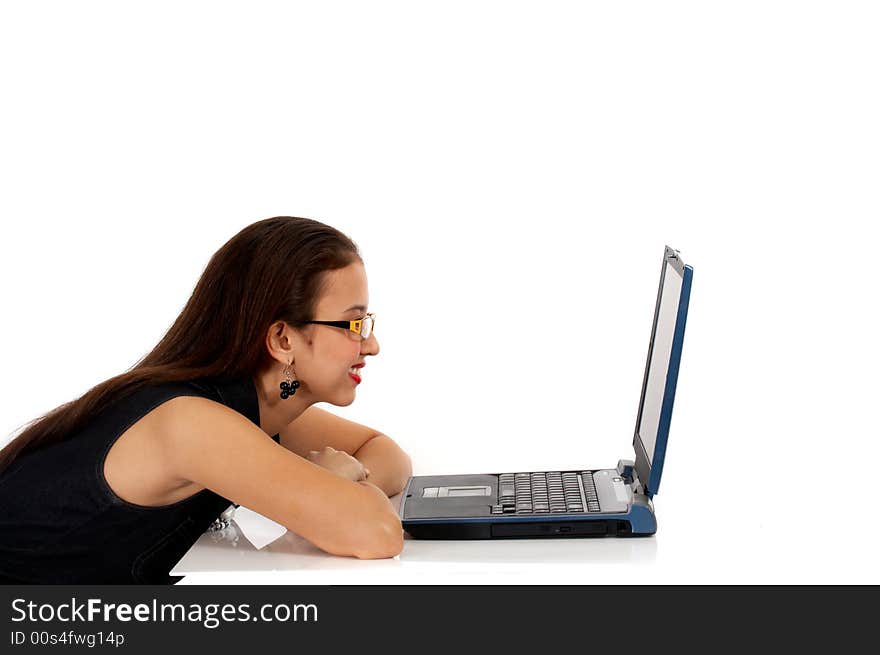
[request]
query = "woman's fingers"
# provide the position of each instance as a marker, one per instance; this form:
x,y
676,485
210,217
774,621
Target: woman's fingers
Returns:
x,y
339,462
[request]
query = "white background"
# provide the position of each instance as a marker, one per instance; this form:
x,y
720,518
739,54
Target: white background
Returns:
x,y
511,172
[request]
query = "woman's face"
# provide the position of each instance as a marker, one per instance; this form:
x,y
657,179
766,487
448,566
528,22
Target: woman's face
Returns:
x,y
325,353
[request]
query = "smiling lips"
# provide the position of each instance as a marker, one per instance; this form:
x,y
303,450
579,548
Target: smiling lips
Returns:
x,y
353,372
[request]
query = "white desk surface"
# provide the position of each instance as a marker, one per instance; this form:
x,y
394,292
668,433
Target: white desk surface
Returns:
x,y
744,549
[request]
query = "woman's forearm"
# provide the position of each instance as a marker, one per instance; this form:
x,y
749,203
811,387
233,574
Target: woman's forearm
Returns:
x,y
389,466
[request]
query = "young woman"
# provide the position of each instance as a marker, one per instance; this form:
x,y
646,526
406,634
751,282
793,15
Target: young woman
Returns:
x,y
116,486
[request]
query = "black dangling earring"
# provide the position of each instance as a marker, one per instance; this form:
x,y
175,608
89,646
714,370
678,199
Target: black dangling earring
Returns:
x,y
288,387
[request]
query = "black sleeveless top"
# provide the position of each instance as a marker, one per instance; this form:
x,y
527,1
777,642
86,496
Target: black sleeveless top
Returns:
x,y
61,523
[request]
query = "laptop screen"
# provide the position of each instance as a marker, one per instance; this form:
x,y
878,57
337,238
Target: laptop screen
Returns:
x,y
661,370
658,365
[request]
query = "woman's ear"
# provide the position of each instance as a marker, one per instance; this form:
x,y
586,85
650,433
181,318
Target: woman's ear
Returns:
x,y
281,341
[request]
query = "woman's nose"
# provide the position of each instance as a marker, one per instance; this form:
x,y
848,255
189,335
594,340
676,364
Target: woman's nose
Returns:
x,y
370,345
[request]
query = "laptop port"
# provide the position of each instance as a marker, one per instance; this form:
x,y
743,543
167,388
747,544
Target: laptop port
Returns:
x,y
548,529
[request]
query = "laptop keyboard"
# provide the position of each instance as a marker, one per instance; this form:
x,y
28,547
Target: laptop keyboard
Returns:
x,y
554,492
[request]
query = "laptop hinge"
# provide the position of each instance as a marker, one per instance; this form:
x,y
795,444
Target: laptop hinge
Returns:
x,y
627,470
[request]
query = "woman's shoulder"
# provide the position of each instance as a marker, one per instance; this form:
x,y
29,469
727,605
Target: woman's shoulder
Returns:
x,y
192,405
185,410
238,395
140,464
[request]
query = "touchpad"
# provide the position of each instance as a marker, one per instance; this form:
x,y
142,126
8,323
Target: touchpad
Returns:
x,y
455,492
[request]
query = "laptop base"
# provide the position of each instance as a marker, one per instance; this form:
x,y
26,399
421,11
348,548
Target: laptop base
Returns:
x,y
459,507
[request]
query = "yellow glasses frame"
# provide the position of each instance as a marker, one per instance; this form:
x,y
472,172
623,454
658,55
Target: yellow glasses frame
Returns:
x,y
358,326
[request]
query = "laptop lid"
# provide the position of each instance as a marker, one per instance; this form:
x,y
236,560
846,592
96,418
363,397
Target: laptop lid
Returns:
x,y
661,370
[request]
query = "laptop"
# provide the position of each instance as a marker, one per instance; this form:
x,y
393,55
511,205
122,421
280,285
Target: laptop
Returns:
x,y
580,502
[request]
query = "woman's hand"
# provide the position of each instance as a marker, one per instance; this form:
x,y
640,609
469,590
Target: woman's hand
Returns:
x,y
339,462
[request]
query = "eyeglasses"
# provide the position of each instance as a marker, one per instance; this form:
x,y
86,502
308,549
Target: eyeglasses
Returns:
x,y
362,326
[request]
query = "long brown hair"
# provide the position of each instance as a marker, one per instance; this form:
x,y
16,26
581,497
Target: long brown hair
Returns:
x,y
271,270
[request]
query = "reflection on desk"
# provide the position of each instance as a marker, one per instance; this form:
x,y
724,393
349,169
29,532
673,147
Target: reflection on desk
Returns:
x,y
549,551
